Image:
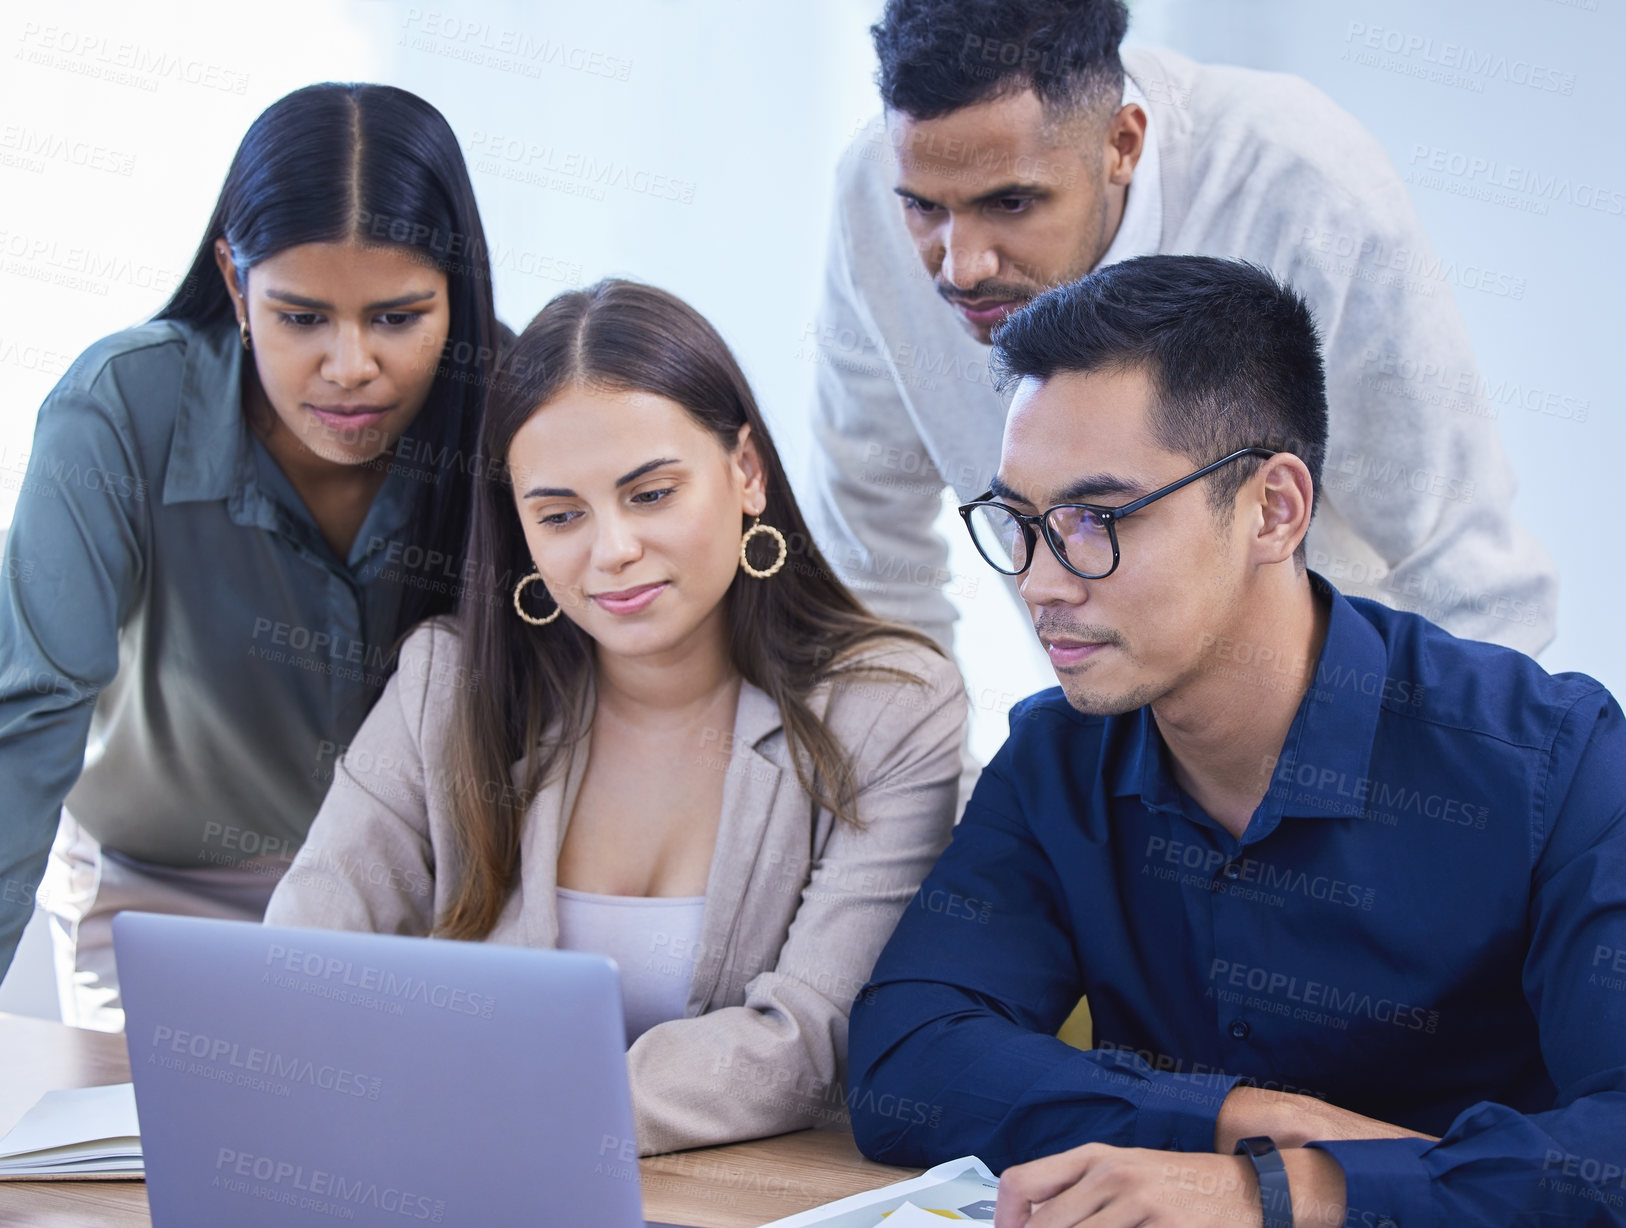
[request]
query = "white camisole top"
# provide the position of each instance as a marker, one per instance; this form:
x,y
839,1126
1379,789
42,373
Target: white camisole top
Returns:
x,y
653,940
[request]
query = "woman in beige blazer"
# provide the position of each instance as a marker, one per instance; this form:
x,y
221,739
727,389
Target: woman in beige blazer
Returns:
x,y
658,728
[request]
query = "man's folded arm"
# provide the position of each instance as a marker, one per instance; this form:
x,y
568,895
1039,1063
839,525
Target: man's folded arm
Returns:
x,y
953,1046
1567,1165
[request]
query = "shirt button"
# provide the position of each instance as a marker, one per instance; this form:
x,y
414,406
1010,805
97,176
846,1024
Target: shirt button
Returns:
x,y
1233,871
1240,1029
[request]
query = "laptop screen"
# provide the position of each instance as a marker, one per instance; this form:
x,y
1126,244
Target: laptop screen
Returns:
x,y
291,1076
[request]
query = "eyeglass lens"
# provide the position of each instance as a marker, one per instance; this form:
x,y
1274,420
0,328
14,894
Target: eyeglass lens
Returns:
x,y
1080,536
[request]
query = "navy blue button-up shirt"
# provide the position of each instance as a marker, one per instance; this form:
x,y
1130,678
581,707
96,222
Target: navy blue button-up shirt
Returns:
x,y
1424,921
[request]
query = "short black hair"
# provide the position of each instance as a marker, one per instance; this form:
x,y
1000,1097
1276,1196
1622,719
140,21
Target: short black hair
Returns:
x,y
1232,355
940,55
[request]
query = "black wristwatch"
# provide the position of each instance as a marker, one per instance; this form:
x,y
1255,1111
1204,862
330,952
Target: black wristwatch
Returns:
x,y
1274,1197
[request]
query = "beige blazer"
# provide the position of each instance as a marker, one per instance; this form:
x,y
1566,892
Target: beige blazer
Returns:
x,y
797,907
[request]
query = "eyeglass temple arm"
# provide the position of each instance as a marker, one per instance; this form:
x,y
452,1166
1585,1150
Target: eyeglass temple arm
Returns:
x,y
1118,513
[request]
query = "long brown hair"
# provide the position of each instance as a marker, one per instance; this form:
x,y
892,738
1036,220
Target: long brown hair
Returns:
x,y
786,634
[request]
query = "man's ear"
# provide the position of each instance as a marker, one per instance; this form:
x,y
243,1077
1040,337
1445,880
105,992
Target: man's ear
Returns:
x,y
1285,499
1126,141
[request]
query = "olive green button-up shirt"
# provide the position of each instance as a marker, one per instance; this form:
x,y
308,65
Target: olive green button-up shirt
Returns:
x,y
182,655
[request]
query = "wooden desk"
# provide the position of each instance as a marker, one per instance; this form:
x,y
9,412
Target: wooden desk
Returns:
x,y
739,1186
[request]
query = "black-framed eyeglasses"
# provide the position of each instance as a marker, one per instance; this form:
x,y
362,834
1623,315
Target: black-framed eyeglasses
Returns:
x,y
1083,536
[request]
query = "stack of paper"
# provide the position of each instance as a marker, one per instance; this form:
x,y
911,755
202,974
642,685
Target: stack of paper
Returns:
x,y
963,1190
86,1134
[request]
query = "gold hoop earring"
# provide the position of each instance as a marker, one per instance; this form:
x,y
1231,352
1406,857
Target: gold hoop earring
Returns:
x,y
242,331
519,590
784,550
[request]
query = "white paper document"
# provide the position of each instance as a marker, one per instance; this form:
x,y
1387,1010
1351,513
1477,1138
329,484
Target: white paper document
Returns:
x,y
963,1190
81,1132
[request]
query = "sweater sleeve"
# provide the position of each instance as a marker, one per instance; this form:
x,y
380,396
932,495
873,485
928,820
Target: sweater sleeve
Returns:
x,y
874,490
1415,466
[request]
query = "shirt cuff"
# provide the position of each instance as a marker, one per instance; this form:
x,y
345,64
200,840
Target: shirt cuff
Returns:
x,y
1386,1183
1178,1112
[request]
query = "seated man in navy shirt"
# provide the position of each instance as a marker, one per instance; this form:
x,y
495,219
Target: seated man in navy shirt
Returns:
x,y
1329,876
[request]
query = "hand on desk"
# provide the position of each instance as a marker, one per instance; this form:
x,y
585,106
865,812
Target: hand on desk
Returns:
x,y
1099,1186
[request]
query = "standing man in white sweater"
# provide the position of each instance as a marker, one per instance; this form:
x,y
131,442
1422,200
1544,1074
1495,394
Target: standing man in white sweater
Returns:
x,y
1019,151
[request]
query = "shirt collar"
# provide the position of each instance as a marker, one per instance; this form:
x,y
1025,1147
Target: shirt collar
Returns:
x,y
1326,754
1141,765
263,496
1140,230
210,433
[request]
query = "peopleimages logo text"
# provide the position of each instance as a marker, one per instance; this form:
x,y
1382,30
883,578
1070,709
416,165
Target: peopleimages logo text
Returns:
x,y
317,1189
381,981
251,1059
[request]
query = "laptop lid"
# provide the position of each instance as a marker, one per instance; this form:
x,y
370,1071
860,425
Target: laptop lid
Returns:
x,y
294,1076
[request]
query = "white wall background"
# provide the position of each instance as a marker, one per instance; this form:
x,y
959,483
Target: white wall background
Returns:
x,y
117,124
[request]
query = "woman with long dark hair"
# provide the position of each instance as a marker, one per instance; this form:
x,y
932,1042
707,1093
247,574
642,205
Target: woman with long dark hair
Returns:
x,y
231,514
659,729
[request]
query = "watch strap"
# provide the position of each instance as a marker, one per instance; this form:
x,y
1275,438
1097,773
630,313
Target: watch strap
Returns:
x,y
1275,1199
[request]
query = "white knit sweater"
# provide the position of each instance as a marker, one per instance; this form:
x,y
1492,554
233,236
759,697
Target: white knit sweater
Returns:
x,y
1414,507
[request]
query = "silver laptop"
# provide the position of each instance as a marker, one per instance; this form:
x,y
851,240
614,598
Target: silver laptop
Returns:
x,y
292,1076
